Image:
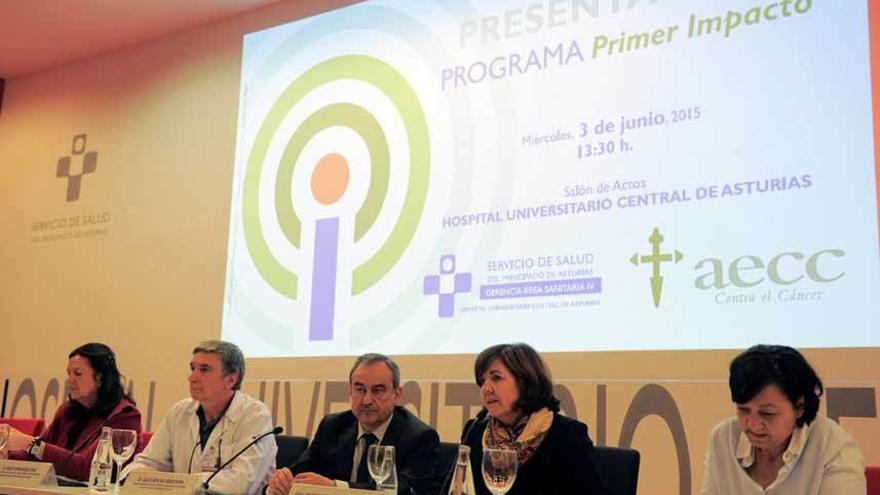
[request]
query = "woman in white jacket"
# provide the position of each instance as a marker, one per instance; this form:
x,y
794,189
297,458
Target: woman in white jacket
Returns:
x,y
777,444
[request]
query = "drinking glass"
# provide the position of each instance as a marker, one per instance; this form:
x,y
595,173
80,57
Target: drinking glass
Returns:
x,y
124,442
499,470
380,458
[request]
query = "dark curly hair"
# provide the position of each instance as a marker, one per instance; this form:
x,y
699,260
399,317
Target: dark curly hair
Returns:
x,y
529,370
780,365
110,382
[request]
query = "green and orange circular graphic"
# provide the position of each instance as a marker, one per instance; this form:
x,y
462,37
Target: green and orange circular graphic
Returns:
x,y
393,85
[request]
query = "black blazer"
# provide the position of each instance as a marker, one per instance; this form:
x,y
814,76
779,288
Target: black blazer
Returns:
x,y
562,465
415,449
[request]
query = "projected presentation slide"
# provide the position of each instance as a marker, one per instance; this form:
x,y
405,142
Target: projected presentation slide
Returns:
x,y
436,177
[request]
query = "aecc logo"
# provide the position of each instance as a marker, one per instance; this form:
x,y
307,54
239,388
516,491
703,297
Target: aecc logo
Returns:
x,y
748,271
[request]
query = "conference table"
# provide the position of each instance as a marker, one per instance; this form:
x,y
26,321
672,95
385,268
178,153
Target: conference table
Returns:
x,y
43,490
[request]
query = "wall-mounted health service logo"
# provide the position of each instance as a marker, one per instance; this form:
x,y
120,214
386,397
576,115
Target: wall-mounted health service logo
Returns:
x,y
655,258
330,180
446,285
89,165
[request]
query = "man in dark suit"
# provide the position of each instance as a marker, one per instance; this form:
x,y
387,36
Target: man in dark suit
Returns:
x,y
338,454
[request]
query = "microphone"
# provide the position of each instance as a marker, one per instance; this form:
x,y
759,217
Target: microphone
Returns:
x,y
82,443
274,431
480,416
5,391
464,440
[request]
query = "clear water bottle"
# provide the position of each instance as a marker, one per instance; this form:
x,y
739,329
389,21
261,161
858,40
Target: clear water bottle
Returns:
x,y
389,486
101,473
461,483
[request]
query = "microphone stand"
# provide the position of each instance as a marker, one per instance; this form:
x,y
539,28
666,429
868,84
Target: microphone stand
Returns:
x,y
273,431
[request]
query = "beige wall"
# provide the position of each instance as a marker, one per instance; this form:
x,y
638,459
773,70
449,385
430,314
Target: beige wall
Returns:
x,y
147,275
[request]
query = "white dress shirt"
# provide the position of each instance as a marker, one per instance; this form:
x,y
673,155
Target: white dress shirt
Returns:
x,y
821,459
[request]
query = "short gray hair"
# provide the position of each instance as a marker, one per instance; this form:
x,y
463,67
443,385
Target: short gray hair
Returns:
x,y
230,356
374,357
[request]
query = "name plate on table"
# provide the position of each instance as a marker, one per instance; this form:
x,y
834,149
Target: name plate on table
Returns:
x,y
303,489
26,473
153,482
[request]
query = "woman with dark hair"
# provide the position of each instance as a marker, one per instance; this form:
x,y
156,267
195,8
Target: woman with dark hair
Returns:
x,y
777,443
97,399
554,453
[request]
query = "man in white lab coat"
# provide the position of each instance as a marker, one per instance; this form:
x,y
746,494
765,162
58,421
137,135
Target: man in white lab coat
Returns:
x,y
202,432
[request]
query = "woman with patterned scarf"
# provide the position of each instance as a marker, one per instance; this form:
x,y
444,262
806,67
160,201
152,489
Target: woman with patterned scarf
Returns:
x,y
520,413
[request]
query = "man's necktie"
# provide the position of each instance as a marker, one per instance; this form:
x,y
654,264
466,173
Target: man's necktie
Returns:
x,y
363,475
